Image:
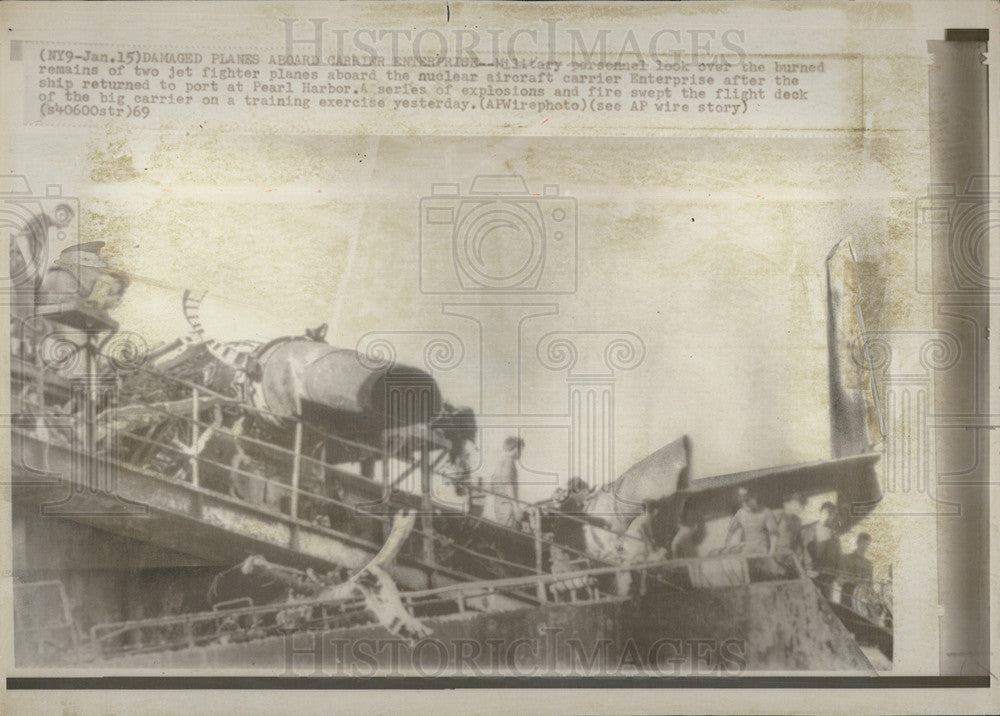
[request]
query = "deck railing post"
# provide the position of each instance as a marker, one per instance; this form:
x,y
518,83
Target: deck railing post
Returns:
x,y
194,437
535,516
296,468
427,505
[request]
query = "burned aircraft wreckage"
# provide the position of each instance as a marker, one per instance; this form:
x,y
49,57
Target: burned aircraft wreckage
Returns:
x,y
295,480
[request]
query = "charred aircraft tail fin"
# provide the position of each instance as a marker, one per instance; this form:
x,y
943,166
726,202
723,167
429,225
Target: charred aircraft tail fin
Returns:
x,y
855,414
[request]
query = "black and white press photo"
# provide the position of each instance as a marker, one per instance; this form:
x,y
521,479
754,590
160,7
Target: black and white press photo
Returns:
x,y
464,346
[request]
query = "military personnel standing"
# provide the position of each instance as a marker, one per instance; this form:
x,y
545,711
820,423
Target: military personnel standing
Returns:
x,y
754,525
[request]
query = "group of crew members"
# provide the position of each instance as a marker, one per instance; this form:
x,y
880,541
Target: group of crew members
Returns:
x,y
753,530
757,530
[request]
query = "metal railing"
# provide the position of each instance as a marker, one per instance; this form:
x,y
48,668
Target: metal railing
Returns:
x,y
870,599
248,623
186,459
300,504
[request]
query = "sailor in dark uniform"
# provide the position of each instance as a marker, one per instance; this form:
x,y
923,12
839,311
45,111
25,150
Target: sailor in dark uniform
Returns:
x,y
822,541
